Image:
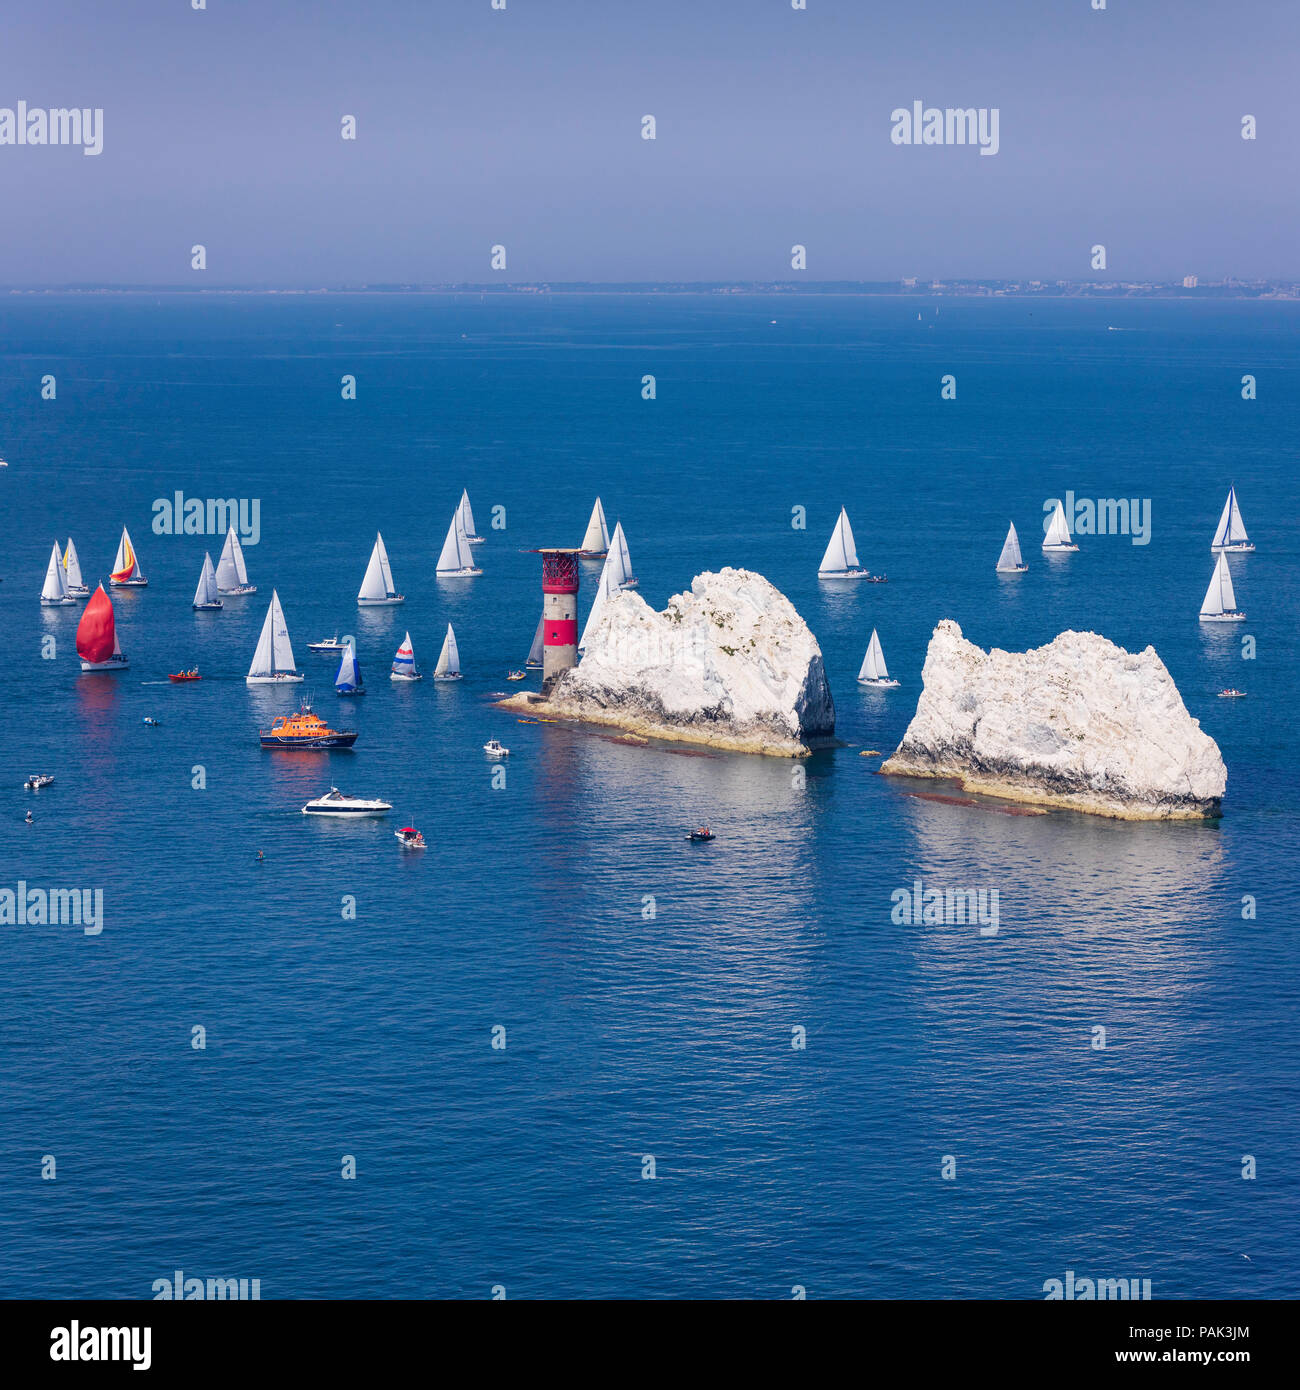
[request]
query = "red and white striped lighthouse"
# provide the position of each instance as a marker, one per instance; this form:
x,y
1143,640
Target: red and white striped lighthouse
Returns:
x,y
559,613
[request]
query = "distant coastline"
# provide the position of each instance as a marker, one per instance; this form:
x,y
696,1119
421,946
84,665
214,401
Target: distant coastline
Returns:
x,y
913,288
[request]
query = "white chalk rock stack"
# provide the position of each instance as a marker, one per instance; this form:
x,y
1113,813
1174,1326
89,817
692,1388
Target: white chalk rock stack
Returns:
x,y
728,663
1079,723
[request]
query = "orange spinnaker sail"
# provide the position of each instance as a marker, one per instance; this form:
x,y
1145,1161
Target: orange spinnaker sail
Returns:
x,y
128,560
95,632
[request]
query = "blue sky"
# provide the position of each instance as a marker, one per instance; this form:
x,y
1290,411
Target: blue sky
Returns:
x,y
522,127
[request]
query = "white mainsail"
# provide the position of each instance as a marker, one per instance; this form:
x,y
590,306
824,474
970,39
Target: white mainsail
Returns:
x,y
448,658
72,568
456,557
873,664
1219,598
605,586
1231,532
1058,533
274,654
467,517
596,539
55,588
536,650
232,573
206,595
378,586
1010,558
841,554
618,561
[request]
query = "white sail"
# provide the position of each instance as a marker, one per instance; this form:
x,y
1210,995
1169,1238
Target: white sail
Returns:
x,y
378,586
467,516
841,553
449,657
456,555
1010,558
232,573
1219,597
536,650
274,654
1058,533
349,676
604,587
55,588
205,596
1231,529
873,664
618,561
72,567
596,538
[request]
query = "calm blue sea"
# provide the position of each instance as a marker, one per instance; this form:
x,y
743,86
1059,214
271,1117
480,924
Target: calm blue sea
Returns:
x,y
630,1036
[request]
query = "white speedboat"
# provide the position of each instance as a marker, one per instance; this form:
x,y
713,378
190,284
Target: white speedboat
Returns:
x,y
38,780
336,803
327,645
495,749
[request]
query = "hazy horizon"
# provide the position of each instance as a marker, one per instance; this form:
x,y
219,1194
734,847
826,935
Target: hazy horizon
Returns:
x,y
522,128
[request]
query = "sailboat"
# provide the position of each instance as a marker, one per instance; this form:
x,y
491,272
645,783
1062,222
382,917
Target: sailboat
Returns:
x,y
874,671
595,541
54,592
126,567
534,661
841,558
456,560
404,667
77,586
1231,534
273,660
378,587
97,643
467,517
621,576
348,681
1010,562
604,588
232,573
1058,539
206,596
448,667
1220,605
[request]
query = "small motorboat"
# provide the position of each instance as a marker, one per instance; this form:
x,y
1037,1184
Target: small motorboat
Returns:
x,y
495,749
701,834
1232,693
336,803
327,645
190,675
38,780
517,676
410,838
148,719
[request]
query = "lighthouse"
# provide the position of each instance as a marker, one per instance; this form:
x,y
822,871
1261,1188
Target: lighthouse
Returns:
x,y
559,613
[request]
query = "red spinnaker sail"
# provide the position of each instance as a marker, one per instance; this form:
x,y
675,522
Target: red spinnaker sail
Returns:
x,y
96,629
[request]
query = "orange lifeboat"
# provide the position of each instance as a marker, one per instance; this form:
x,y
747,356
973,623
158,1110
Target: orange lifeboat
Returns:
x,y
305,730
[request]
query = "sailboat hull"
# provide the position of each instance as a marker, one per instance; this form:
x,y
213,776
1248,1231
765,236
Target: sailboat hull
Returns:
x,y
843,574
279,678
83,590
466,573
238,590
57,602
447,676
381,602
1236,548
1058,549
1234,617
1013,569
114,663
140,583
399,676
880,683
207,607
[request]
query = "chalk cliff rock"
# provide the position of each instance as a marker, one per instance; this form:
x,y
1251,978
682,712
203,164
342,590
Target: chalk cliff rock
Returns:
x,y
1078,723
728,663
